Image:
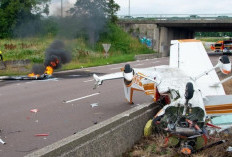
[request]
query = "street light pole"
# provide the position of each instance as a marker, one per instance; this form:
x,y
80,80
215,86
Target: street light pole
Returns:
x,y
61,8
129,8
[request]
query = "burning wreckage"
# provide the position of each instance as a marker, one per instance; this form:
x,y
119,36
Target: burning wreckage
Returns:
x,y
55,56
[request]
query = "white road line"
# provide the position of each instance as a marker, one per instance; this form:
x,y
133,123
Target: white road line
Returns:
x,y
82,98
89,80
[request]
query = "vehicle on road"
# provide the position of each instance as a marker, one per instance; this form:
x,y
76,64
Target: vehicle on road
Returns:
x,y
224,46
217,47
227,46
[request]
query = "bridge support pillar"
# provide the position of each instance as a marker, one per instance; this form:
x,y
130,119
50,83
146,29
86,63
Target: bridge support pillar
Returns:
x,y
164,41
161,36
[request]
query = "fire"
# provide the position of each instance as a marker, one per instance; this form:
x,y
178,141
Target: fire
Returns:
x,y
54,63
33,75
49,70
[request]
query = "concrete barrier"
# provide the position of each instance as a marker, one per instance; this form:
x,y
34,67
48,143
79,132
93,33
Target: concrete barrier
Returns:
x,y
147,56
106,139
17,62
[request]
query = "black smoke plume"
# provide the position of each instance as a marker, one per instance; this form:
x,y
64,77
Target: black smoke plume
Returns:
x,y
55,55
57,51
38,69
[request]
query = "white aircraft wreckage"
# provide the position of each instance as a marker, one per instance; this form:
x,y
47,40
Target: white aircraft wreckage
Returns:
x,y
188,91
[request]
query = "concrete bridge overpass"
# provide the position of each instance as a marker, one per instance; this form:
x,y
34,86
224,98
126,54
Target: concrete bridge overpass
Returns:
x,y
163,29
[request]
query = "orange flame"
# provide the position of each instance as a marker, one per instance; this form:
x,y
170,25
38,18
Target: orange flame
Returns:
x,y
54,63
33,75
49,70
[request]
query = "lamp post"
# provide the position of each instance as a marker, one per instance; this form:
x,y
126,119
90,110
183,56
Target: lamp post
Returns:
x,y
61,8
129,8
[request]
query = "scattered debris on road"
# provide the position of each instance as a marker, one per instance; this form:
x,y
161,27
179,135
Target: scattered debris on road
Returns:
x,y
94,105
34,110
2,142
38,135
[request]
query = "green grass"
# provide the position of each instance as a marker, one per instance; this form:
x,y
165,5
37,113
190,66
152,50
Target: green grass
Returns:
x,y
123,48
211,39
27,48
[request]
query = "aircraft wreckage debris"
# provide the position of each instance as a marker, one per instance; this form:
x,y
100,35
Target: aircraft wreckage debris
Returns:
x,y
34,110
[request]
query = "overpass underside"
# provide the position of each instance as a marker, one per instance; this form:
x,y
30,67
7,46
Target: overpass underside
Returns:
x,y
162,32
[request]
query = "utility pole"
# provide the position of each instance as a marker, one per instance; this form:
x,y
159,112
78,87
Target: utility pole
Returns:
x,y
129,9
61,8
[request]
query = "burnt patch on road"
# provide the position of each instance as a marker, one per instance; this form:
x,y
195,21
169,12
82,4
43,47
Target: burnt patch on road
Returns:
x,y
74,74
59,75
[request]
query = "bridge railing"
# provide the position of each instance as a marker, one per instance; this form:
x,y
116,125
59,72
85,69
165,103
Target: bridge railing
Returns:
x,y
176,16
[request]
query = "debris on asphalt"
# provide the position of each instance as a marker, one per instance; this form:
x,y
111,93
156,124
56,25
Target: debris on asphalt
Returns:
x,y
126,115
34,110
37,121
229,149
94,105
12,132
95,122
41,135
2,142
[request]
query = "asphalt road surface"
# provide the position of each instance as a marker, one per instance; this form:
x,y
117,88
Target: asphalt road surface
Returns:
x,y
66,104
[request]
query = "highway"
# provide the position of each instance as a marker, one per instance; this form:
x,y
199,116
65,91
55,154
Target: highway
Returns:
x,y
65,105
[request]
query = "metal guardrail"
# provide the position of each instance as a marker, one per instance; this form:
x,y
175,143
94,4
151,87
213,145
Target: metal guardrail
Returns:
x,y
176,16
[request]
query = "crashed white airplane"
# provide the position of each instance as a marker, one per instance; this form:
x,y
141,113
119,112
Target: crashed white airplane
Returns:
x,y
188,90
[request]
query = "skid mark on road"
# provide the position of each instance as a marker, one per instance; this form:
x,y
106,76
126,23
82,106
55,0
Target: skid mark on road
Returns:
x,y
84,97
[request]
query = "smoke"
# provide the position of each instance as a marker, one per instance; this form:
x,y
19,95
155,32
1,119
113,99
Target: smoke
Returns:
x,y
57,51
55,55
87,20
38,69
55,8
28,29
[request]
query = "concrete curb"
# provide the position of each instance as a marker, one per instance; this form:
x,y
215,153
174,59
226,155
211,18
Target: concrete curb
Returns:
x,y
106,139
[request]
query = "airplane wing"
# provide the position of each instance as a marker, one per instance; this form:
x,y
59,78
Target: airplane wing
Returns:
x,y
100,79
190,56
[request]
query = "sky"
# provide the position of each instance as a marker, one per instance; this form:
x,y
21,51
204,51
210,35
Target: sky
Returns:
x,y
141,7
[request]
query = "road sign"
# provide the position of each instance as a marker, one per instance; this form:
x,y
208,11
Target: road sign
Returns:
x,y
106,48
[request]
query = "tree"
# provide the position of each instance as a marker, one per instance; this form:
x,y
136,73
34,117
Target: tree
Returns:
x,y
14,13
91,16
112,9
